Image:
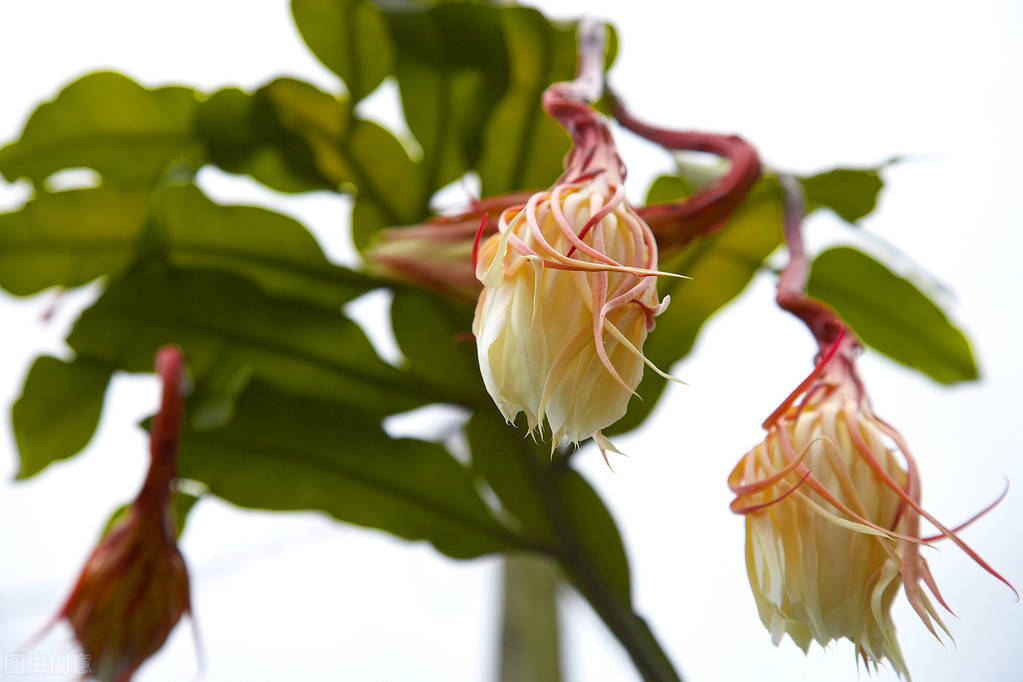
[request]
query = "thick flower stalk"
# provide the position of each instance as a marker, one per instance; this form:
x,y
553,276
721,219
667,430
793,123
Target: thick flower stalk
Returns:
x,y
832,500
569,284
134,588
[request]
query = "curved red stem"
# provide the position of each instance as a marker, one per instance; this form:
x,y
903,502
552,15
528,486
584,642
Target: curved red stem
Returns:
x,y
677,223
166,428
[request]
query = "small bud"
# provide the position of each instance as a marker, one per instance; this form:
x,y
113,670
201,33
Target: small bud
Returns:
x,y
133,588
131,593
438,254
832,505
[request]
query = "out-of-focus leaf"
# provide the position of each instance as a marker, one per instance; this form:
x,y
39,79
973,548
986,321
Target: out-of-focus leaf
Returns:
x,y
523,147
213,400
721,265
554,504
890,314
558,510
224,323
851,193
243,134
303,138
268,248
69,238
354,155
290,453
368,218
181,504
58,411
451,72
107,122
434,333
381,170
321,121
506,461
668,188
595,534
350,37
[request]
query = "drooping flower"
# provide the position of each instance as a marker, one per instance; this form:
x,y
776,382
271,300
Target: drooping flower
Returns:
x,y
134,587
569,293
832,505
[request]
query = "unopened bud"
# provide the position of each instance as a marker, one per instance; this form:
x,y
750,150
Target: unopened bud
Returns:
x,y
438,254
133,588
131,593
569,296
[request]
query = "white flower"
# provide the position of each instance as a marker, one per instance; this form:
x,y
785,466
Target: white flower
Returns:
x,y
569,296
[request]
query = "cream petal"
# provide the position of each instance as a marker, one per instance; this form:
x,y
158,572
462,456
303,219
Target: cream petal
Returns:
x,y
542,311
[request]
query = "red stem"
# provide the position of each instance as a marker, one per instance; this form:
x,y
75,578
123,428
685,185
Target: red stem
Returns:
x,y
569,102
166,429
677,223
823,322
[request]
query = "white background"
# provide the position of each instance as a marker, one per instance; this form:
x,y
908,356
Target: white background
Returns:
x,y
813,85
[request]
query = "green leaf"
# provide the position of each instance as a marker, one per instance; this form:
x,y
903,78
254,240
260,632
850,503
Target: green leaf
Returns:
x,y
243,134
450,76
107,122
435,334
350,37
58,411
213,399
270,249
667,189
386,179
368,218
891,315
523,148
512,465
851,193
312,132
181,505
353,155
224,323
553,503
559,511
291,453
320,120
596,541
69,238
721,266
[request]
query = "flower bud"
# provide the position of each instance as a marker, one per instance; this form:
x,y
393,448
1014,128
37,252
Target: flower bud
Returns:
x,y
133,588
569,297
131,593
832,505
438,254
